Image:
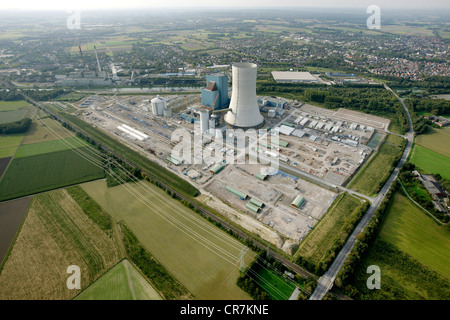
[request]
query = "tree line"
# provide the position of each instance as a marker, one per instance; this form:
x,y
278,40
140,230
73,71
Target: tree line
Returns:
x,y
16,126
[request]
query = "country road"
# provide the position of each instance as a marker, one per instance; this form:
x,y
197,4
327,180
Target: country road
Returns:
x,y
326,281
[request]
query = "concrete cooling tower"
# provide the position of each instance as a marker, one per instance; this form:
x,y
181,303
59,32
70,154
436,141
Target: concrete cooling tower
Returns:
x,y
244,111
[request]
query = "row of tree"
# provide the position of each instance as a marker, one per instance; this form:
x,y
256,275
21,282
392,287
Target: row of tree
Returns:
x,y
15,127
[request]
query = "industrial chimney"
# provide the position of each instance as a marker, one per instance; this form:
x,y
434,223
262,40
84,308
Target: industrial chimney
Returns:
x,y
244,111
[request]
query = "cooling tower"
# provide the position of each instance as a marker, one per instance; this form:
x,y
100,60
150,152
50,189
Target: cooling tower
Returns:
x,y
244,111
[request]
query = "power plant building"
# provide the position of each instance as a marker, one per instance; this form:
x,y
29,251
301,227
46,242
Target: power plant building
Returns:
x,y
215,95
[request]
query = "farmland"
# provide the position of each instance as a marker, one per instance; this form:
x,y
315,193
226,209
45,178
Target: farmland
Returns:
x,y
34,149
200,255
430,161
42,172
9,144
11,111
330,229
373,175
45,129
11,216
56,234
413,254
413,232
437,140
122,282
12,105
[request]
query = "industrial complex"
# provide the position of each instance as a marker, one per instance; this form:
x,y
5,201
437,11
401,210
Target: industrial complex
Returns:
x,y
281,203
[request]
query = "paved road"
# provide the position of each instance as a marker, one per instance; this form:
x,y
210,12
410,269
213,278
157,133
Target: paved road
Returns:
x,y
326,281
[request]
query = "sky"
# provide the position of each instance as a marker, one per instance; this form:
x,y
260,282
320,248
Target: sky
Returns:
x,y
117,4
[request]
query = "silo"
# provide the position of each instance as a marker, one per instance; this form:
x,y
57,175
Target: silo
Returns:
x,y
244,111
204,120
158,105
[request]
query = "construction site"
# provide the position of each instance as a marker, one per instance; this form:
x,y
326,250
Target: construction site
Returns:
x,y
280,207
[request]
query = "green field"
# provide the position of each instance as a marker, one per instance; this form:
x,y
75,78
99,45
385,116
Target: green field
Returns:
x,y
34,149
329,229
430,161
395,140
9,144
415,233
197,253
122,282
437,140
277,287
12,116
413,253
12,105
45,129
42,172
371,177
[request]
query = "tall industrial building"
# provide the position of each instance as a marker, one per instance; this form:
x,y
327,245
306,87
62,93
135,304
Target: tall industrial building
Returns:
x,y
215,95
244,111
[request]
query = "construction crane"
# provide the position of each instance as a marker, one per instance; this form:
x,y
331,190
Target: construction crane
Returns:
x,y
215,100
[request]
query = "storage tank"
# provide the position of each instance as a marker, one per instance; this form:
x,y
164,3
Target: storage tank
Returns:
x,y
158,105
204,120
244,111
272,113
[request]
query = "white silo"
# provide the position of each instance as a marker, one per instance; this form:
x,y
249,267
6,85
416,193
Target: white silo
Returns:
x,y
204,120
158,105
244,111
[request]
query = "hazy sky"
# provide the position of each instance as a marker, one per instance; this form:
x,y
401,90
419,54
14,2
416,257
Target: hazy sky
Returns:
x,y
103,4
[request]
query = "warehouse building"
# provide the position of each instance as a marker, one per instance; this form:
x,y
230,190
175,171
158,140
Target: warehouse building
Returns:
x,y
293,76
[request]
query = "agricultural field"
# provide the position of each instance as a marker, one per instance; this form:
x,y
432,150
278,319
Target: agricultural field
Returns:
x,y
122,282
430,161
369,179
43,172
12,116
55,235
415,233
45,129
9,144
437,140
200,255
11,111
413,254
11,216
3,165
34,149
12,105
329,229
